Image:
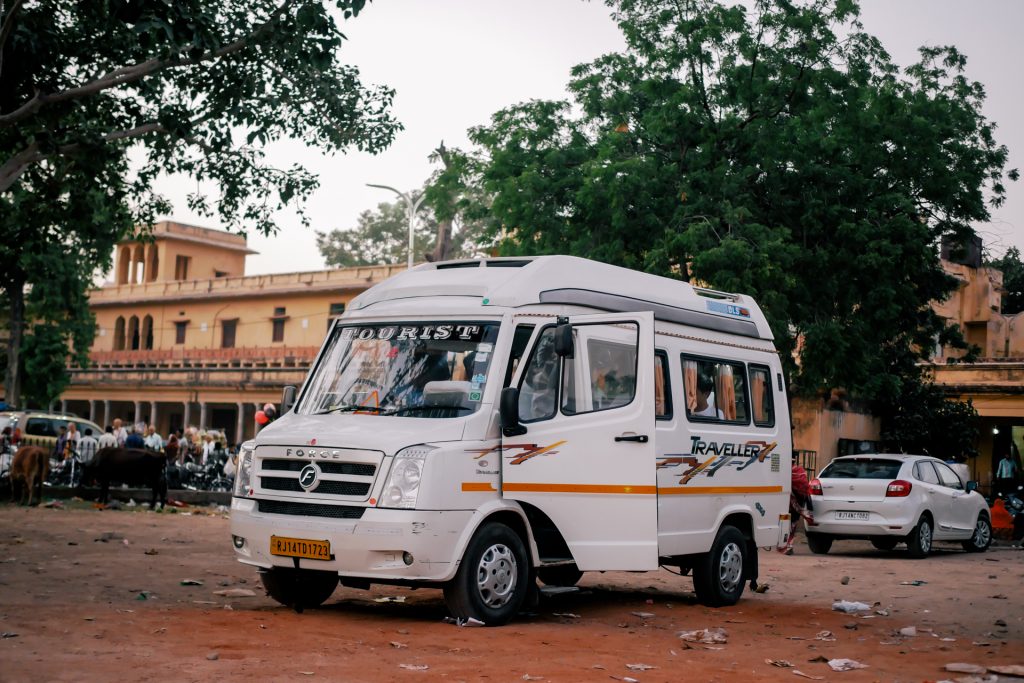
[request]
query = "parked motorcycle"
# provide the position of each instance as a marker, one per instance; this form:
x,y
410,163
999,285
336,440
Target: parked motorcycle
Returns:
x,y
1014,503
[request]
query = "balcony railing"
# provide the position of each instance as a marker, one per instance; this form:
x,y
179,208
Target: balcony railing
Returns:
x,y
263,356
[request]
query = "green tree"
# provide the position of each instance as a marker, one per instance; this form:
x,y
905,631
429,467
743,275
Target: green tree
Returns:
x,y
380,236
920,419
777,152
1013,280
186,87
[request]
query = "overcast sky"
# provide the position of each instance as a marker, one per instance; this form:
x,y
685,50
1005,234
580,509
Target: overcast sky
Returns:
x,y
455,62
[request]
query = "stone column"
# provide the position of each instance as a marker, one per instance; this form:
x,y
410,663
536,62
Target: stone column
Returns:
x,y
106,413
239,435
138,413
202,415
187,417
152,413
63,405
92,410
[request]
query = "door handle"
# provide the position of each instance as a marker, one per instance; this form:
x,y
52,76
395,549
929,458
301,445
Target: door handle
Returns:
x,y
639,438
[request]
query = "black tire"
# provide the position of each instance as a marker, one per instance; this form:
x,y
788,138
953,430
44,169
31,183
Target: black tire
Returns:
x,y
493,577
719,575
560,575
884,542
982,536
919,542
819,544
299,588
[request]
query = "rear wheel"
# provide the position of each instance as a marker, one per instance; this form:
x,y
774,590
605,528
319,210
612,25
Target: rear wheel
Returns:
x,y
982,536
919,542
493,577
299,588
884,542
819,544
560,575
718,576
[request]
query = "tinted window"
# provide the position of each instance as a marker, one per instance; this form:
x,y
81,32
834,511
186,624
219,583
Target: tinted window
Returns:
x,y
662,387
715,390
762,401
923,471
862,468
42,426
948,476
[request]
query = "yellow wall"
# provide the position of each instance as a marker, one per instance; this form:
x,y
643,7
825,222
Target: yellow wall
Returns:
x,y
818,428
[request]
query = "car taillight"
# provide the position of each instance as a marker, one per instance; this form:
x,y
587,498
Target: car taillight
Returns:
x,y
815,487
898,489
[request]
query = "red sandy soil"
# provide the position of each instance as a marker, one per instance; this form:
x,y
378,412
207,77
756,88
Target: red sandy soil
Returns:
x,y
73,602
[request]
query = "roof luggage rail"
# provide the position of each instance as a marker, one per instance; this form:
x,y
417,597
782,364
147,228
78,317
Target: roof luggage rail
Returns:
x,y
715,294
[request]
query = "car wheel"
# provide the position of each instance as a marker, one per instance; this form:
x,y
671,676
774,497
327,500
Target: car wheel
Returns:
x,y
718,576
560,575
493,577
884,542
299,588
819,544
919,542
982,536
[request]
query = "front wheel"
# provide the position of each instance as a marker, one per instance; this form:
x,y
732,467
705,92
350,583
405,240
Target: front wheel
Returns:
x,y
718,575
982,536
819,544
493,577
919,542
299,588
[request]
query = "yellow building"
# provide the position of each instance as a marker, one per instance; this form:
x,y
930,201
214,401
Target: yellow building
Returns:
x,y
184,337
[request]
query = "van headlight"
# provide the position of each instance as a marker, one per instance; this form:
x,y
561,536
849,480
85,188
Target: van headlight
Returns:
x,y
243,471
403,485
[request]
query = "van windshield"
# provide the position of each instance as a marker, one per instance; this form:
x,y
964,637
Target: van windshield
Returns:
x,y
423,369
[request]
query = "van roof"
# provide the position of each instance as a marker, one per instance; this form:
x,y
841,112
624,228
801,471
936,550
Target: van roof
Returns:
x,y
569,280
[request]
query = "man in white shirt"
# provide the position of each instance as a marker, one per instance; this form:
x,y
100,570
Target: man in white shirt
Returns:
x,y
154,441
705,405
87,447
120,433
107,439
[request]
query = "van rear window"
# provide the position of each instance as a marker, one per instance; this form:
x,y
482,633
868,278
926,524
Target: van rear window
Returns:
x,y
861,468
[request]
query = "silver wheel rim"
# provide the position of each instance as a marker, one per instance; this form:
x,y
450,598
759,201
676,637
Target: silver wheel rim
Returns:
x,y
982,533
926,536
730,567
496,576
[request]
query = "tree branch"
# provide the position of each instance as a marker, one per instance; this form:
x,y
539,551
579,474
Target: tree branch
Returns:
x,y
130,74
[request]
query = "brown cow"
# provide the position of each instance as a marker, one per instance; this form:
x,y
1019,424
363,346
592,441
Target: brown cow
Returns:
x,y
31,465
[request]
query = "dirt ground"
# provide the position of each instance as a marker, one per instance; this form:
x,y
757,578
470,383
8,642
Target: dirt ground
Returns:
x,y
98,595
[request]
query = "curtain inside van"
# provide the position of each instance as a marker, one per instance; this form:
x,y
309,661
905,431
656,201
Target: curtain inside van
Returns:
x,y
757,395
725,392
690,384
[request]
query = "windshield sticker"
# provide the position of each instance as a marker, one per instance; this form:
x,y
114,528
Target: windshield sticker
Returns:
x,y
412,332
485,348
479,378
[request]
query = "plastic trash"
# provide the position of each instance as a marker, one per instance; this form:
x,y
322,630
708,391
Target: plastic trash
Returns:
x,y
710,636
964,668
191,582
845,664
414,667
463,621
849,606
236,593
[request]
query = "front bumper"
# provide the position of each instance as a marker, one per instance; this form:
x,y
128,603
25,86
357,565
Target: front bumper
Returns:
x,y
372,547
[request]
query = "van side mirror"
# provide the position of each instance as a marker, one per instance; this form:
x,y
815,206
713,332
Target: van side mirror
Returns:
x,y
508,410
972,486
287,399
563,340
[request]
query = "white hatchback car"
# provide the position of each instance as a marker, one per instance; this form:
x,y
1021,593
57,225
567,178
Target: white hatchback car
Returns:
x,y
889,499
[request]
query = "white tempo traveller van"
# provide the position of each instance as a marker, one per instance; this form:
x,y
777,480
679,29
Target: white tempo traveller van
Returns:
x,y
477,425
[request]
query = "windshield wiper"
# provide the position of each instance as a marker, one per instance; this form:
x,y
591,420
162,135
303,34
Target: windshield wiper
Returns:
x,y
418,409
350,408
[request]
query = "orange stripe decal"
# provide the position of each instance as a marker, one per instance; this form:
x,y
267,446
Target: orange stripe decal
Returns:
x,y
478,486
716,490
578,488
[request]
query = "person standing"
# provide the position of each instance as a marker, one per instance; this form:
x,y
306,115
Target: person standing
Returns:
x,y
107,439
171,448
87,447
208,448
1006,475
154,441
120,433
71,444
134,440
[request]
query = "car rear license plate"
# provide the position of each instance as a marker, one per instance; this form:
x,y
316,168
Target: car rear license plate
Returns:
x,y
863,516
300,547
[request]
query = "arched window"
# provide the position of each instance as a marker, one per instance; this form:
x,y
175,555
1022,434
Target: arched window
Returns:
x,y
133,333
124,264
139,265
119,333
147,332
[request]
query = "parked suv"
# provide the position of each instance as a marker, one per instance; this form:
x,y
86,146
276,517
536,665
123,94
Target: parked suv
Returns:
x,y
890,499
40,428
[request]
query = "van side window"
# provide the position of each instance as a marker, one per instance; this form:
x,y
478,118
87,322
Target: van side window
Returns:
x,y
609,378
761,398
519,341
538,390
715,390
662,387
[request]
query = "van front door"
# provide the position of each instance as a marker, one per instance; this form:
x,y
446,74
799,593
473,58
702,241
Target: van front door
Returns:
x,y
587,459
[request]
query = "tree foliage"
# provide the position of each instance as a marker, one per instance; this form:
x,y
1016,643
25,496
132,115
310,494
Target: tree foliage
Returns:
x,y
1013,280
920,419
777,152
186,87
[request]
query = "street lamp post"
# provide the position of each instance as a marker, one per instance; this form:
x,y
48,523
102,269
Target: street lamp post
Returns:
x,y
412,204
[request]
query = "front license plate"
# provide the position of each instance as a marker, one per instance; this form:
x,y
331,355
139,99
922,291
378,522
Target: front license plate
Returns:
x,y
300,547
863,516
